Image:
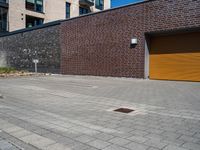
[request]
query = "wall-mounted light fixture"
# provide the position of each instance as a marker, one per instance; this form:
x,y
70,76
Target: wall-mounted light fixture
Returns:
x,y
134,41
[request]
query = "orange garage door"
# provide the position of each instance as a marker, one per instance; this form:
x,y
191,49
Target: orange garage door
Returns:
x,y
175,57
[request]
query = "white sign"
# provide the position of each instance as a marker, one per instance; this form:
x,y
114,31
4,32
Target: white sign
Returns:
x,y
35,61
134,41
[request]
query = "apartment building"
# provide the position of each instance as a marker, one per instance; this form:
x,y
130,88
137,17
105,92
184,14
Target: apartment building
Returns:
x,y
19,14
3,15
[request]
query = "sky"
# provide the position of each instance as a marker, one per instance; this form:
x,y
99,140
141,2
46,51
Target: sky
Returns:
x,y
117,3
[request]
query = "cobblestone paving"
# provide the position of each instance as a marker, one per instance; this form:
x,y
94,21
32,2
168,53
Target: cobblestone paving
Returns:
x,y
76,113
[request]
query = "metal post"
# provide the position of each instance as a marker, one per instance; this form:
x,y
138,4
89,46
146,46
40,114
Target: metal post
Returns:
x,y
35,67
35,61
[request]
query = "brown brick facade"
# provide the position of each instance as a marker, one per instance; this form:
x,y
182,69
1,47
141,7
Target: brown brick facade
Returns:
x,y
99,44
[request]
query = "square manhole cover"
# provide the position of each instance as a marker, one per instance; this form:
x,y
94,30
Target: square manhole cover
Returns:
x,y
124,110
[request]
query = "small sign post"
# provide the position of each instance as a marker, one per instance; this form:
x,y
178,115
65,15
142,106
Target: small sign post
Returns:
x,y
35,61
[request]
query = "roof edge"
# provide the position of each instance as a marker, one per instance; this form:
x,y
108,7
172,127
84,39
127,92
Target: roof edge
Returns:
x,y
53,23
58,22
107,10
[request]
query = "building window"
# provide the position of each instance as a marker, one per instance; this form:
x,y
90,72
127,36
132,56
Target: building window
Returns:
x,y
34,5
33,21
30,4
3,19
3,1
39,5
83,10
99,4
67,10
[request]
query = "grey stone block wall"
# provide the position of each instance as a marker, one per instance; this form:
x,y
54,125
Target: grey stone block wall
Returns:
x,y
18,50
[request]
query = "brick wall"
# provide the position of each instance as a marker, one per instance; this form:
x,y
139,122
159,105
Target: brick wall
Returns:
x,y
18,50
99,44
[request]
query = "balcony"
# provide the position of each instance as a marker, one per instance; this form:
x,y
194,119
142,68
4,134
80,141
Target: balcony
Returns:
x,y
4,3
86,2
3,19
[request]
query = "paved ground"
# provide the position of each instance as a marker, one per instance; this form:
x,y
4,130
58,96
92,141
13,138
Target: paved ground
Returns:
x,y
76,113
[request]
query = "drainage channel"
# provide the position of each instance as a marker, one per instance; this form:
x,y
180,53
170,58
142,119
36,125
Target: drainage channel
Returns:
x,y
124,110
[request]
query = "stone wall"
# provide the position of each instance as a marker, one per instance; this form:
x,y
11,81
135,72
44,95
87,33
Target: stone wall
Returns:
x,y
19,49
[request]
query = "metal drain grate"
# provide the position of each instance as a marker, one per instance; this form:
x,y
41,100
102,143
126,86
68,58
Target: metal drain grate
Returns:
x,y
124,110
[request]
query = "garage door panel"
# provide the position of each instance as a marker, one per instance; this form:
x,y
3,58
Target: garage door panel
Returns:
x,y
181,64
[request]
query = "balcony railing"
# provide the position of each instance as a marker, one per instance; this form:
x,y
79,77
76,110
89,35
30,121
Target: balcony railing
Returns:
x,y
3,27
3,17
4,1
86,2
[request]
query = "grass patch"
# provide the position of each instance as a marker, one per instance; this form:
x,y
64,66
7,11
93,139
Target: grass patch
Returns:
x,y
7,70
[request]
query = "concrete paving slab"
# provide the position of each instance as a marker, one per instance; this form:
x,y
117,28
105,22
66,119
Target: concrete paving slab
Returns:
x,y
5,145
76,112
99,144
57,146
37,141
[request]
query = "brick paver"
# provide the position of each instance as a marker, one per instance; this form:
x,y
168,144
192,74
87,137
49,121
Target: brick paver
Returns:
x,y
76,113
